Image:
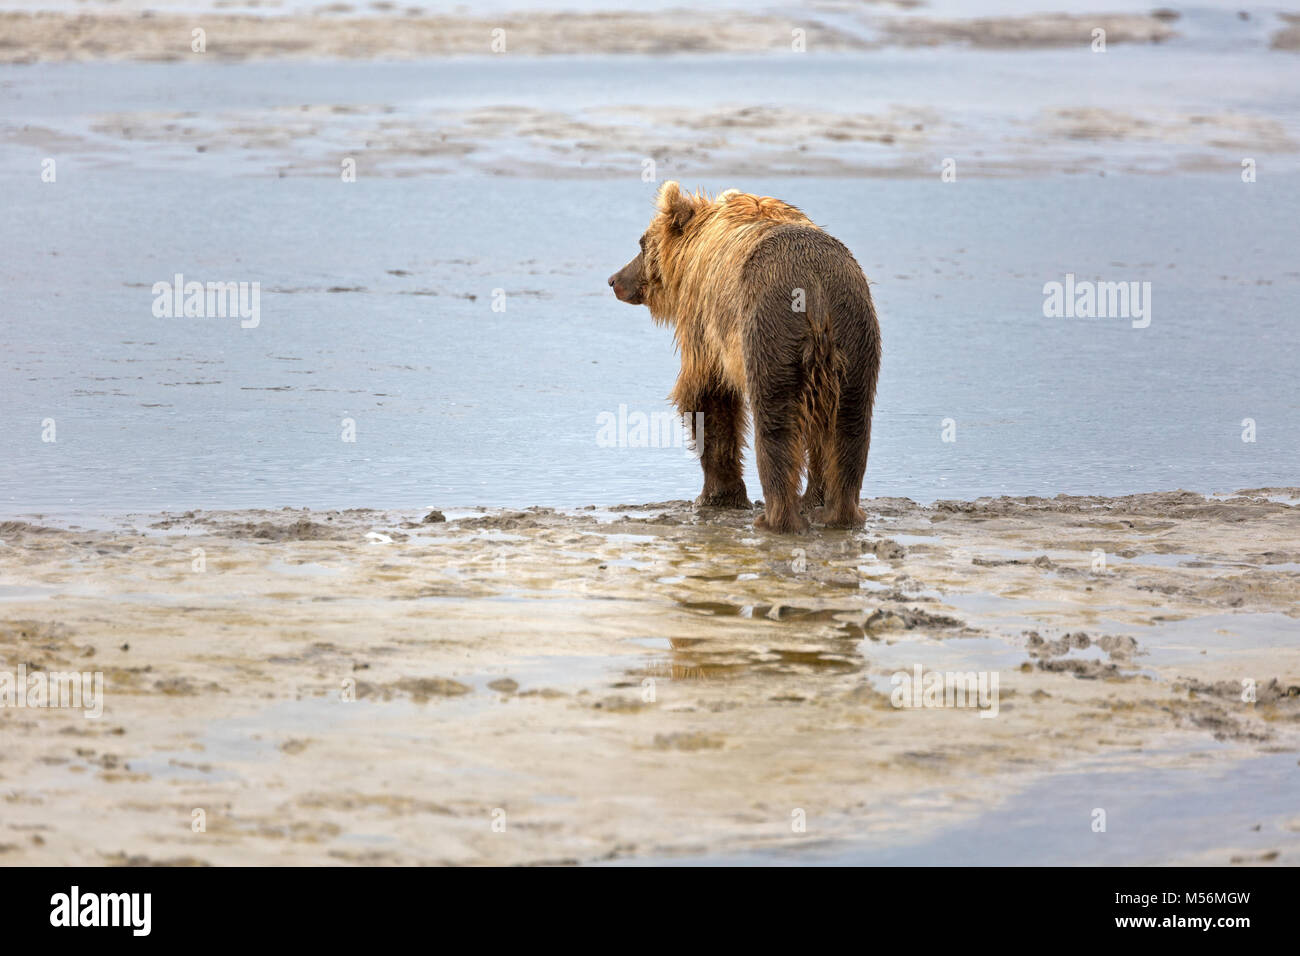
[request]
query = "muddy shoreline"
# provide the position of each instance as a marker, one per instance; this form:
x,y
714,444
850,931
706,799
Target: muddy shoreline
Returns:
x,y
112,31
341,32
648,681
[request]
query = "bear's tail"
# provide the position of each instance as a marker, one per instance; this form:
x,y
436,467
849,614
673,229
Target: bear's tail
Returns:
x,y
822,375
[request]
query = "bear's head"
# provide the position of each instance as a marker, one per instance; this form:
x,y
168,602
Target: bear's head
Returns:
x,y
641,281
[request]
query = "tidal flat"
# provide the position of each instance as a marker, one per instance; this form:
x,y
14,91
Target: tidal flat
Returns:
x,y
655,682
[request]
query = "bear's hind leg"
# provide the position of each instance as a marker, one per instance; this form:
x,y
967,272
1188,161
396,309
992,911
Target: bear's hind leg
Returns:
x,y
720,438
850,441
780,454
814,493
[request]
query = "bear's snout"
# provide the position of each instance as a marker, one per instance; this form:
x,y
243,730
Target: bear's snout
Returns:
x,y
627,283
623,293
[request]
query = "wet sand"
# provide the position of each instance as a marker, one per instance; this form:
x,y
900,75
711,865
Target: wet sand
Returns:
x,y
716,142
641,682
167,37
1031,32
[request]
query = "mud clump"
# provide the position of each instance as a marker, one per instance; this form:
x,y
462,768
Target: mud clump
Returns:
x,y
1120,647
1212,715
1266,857
1275,557
506,521
891,507
392,804
1272,693
619,705
301,530
1053,656
545,693
15,529
914,617
176,687
1288,38
422,688
687,741
1038,647
885,549
1080,667
1042,561
674,506
140,860
44,634
419,689
898,619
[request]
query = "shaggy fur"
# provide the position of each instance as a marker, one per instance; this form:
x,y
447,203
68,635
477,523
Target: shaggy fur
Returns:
x,y
727,274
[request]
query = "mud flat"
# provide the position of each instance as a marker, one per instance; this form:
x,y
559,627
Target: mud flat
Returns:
x,y
339,31
1041,30
643,682
166,37
607,141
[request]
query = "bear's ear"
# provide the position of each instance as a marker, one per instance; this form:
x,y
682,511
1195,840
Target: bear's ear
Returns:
x,y
678,208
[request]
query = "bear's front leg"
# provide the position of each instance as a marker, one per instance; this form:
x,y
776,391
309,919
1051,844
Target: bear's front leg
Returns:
x,y
718,430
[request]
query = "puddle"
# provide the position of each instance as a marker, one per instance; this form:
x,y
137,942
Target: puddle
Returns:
x,y
907,540
26,592
1172,559
308,568
953,654
1172,643
1153,816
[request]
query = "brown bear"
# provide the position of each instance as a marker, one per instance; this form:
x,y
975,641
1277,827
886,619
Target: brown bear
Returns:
x,y
765,306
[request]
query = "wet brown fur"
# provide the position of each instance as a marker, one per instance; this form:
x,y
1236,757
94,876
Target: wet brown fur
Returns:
x,y
723,273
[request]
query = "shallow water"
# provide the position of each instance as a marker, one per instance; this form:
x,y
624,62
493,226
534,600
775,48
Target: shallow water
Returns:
x,y
978,105
458,405
1202,807
376,296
